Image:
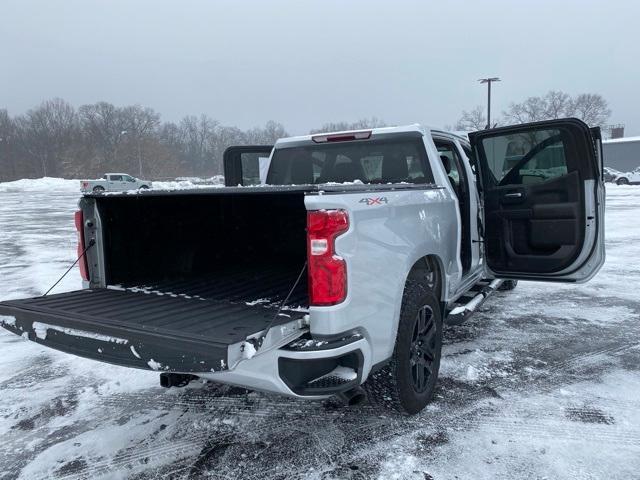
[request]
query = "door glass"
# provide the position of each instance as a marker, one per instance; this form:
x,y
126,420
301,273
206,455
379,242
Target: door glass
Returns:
x,y
448,150
116,178
526,158
250,168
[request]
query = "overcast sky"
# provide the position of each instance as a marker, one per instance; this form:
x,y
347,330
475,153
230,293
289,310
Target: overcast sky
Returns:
x,y
304,63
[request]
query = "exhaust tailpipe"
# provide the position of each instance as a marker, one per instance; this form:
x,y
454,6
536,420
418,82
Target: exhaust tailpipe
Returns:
x,y
353,397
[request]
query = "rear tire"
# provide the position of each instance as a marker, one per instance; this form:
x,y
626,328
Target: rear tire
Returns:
x,y
98,189
508,285
406,384
622,181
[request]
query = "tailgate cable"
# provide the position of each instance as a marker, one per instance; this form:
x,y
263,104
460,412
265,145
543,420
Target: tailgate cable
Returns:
x,y
257,342
92,242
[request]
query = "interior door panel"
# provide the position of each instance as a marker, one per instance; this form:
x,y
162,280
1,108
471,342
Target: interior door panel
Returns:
x,y
538,230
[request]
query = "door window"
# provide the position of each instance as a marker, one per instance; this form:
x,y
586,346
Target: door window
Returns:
x,y
526,158
250,168
446,149
116,178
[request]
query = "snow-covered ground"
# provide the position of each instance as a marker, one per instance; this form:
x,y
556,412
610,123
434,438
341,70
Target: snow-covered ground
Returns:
x,y
543,382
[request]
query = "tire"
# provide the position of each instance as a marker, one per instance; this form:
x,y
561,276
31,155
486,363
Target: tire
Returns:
x,y
508,285
143,187
622,181
98,189
406,384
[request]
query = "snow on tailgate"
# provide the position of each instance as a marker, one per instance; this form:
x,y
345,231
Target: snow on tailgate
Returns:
x,y
41,332
8,321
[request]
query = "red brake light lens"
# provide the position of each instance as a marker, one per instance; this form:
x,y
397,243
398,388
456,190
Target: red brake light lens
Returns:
x,y
327,271
342,137
84,269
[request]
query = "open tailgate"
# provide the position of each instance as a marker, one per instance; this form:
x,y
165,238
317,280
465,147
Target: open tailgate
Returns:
x,y
137,329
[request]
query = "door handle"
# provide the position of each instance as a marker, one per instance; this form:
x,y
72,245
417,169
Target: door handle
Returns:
x,y
513,195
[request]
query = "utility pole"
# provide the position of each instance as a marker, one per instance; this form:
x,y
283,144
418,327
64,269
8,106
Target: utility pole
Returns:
x,y
488,81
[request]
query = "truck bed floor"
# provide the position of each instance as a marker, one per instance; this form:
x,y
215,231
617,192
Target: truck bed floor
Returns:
x,y
264,285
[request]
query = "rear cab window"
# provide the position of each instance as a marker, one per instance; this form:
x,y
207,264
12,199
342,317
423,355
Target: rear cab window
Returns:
x,y
376,161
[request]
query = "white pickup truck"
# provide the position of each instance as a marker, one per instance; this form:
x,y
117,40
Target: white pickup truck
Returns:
x,y
114,182
339,269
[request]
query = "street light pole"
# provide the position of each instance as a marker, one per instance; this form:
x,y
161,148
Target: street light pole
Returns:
x,y
488,81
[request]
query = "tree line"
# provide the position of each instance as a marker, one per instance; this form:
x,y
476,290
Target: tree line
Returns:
x,y
56,140
592,108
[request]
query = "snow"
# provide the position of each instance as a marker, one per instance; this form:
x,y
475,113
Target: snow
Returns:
x,y
40,184
134,351
622,140
248,350
52,184
42,328
541,382
257,302
8,321
153,365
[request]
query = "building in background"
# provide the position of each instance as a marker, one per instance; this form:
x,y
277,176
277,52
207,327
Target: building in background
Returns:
x,y
623,154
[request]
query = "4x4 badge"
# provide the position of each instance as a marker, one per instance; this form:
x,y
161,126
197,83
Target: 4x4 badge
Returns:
x,y
374,200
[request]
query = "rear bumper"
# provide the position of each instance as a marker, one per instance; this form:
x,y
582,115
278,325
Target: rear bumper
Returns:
x,y
288,372
277,367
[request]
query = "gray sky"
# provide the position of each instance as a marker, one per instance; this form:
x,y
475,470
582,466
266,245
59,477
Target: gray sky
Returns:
x,y
304,63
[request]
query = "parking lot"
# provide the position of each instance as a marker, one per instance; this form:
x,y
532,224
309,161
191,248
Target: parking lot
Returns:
x,y
542,382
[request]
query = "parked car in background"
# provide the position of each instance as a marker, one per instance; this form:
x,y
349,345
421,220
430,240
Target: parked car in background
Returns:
x,y
114,182
610,174
629,178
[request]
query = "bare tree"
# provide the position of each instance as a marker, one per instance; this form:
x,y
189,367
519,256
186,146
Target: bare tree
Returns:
x,y
472,120
104,127
45,132
531,110
589,107
558,104
197,133
592,108
141,125
8,160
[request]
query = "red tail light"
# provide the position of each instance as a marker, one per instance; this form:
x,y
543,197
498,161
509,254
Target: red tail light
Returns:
x,y
84,269
327,271
342,137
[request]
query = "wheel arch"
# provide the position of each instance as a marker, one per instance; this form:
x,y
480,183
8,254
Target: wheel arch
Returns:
x,y
429,263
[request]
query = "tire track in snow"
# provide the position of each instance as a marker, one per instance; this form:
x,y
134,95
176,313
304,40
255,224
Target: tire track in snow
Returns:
x,y
384,429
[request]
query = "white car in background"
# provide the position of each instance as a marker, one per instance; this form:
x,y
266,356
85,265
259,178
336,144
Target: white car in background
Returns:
x,y
629,178
114,182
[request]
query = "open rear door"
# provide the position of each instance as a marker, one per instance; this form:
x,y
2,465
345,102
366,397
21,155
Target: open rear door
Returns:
x,y
543,200
246,165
